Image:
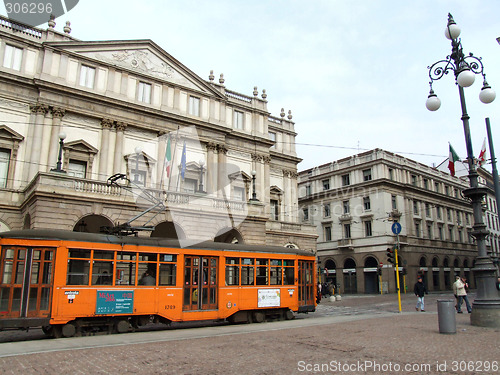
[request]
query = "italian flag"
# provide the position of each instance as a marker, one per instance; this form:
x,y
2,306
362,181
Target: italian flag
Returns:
x,y
452,158
168,158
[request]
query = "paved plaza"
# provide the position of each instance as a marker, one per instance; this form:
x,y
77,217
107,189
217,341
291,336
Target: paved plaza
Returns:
x,y
360,334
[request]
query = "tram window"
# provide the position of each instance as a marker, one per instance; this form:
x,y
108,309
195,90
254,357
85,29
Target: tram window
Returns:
x,y
45,299
102,273
98,254
167,274
78,272
48,255
9,254
288,263
33,296
262,272
147,257
35,272
79,253
247,272
151,270
168,258
4,299
16,300
7,272
126,256
19,273
289,276
47,273
125,273
232,275
36,254
275,277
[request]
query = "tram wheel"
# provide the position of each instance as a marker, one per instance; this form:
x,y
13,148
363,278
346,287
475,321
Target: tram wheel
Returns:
x,y
289,315
68,330
258,317
122,326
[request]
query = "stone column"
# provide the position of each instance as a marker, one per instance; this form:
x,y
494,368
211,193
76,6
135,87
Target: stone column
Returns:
x,y
294,207
57,115
118,161
211,182
106,125
222,178
266,181
36,148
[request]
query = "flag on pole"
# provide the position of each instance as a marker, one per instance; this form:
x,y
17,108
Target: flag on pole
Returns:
x,y
183,160
482,154
452,158
168,157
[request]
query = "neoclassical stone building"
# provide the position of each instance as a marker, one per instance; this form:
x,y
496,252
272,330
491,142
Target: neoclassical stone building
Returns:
x,y
74,113
353,203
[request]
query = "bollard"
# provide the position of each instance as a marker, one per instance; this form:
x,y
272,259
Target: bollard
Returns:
x,y
446,316
332,298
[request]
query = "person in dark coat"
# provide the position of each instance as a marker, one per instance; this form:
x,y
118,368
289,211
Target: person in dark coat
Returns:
x,y
420,290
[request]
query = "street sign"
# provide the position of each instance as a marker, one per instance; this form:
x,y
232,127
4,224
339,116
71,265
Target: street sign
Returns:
x,y
396,228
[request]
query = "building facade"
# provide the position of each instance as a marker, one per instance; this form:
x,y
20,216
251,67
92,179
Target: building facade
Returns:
x,y
354,202
191,159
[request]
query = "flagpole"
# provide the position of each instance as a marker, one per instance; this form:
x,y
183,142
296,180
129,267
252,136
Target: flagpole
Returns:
x,y
183,166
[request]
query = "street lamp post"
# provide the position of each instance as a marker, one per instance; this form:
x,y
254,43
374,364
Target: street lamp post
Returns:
x,y
58,168
486,306
254,193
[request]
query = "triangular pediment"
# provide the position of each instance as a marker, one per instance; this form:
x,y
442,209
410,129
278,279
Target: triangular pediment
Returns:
x,y
9,134
143,57
81,146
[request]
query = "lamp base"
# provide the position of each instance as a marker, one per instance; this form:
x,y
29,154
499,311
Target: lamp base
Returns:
x,y
486,315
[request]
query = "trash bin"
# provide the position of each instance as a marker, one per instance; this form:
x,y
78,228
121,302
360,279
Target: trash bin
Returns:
x,y
446,316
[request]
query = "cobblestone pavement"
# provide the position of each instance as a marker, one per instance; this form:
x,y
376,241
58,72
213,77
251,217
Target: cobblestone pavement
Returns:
x,y
361,334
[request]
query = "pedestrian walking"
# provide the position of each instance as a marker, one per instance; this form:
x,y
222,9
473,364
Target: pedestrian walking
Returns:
x,y
459,289
420,291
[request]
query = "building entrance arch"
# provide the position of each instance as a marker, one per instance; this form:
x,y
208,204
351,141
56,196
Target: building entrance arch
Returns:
x,y
349,271
168,229
92,224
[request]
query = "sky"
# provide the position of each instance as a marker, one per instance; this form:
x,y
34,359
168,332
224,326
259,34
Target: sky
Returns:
x,y
353,73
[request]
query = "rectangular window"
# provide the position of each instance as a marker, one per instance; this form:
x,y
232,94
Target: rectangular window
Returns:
x,y
289,272
168,269
346,180
12,57
238,120
308,190
391,174
77,168
262,274
272,137
345,205
306,214
275,272
144,92
4,167
327,211
78,267
417,229
415,208
367,175
440,232
368,229
274,209
394,202
326,184
189,185
247,271
427,210
347,230
426,183
414,180
328,233
194,106
87,76
438,212
239,194
429,231
366,203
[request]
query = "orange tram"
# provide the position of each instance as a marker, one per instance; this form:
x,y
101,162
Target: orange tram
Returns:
x,y
71,283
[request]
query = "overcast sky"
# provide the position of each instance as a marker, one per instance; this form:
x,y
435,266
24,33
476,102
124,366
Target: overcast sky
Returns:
x,y
353,73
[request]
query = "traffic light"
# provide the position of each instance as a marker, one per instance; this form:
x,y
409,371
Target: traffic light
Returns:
x,y
390,255
379,271
404,271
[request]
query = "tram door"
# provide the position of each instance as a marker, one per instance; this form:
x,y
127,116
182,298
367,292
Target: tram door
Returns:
x,y
26,282
306,283
200,283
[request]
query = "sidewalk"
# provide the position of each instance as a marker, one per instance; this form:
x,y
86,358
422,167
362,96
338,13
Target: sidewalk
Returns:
x,y
407,342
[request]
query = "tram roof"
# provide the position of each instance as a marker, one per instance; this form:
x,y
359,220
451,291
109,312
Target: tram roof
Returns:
x,y
52,234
